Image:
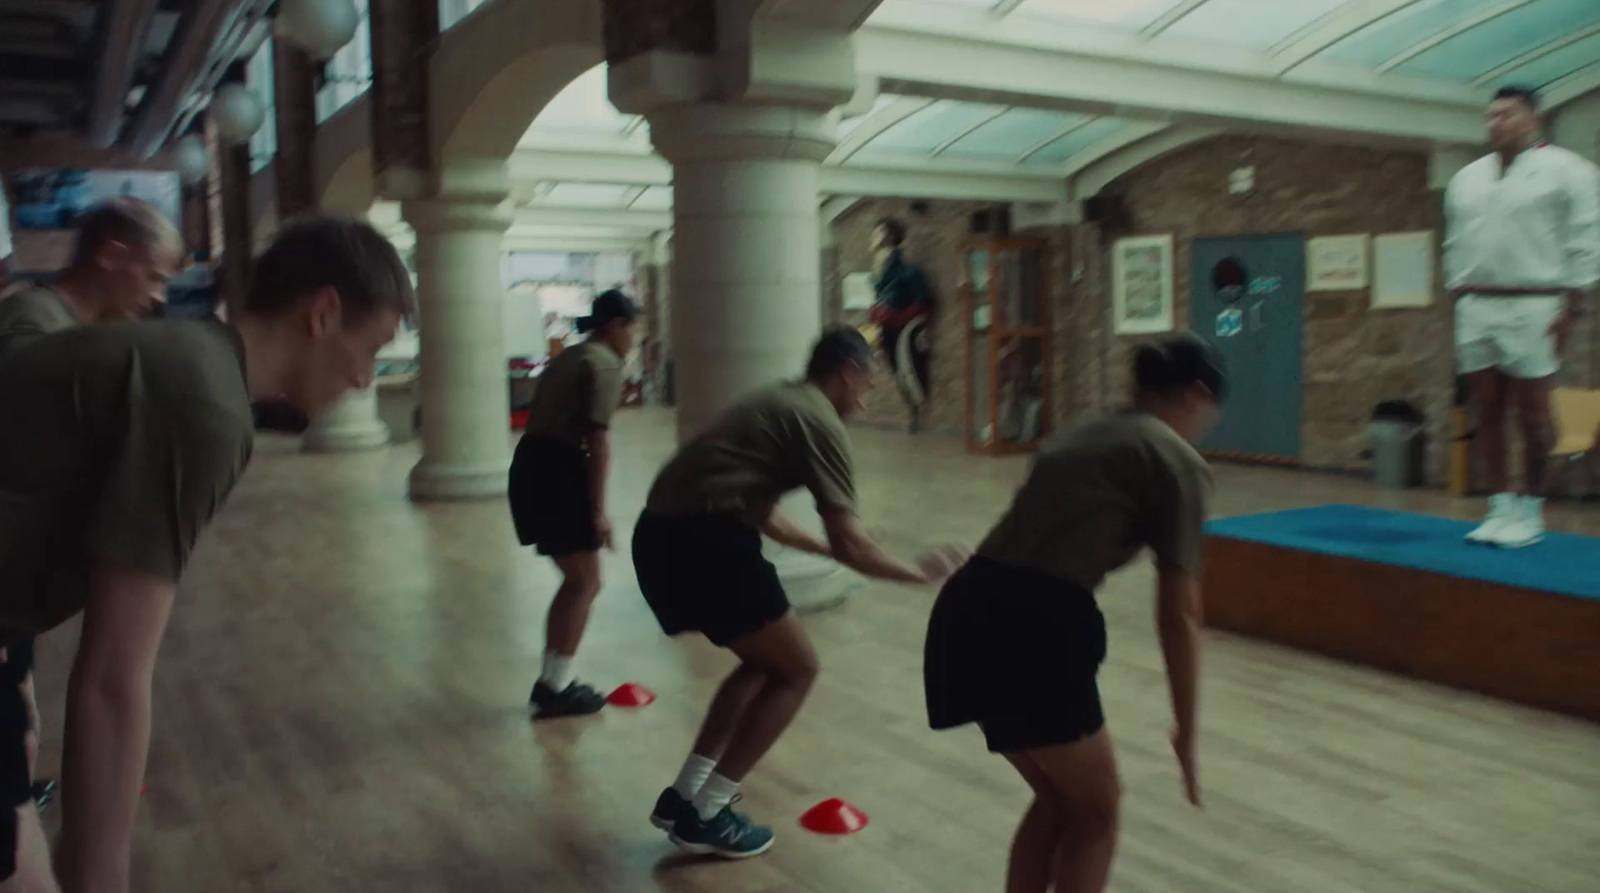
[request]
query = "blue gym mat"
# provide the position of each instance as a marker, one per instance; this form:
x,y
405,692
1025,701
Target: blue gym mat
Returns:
x,y
1562,563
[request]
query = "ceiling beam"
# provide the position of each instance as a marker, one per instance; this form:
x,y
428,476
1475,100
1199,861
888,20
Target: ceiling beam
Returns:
x,y
231,52
1535,54
1099,165
182,65
955,67
964,132
874,124
1061,134
118,44
1579,83
1171,17
1456,30
1330,29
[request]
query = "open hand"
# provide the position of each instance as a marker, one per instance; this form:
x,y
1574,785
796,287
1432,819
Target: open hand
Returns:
x,y
1183,745
940,563
1560,328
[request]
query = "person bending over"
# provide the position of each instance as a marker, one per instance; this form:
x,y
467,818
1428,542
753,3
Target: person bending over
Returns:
x,y
1015,639
558,488
121,441
697,551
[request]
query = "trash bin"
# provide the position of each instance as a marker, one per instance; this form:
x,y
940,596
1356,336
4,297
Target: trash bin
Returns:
x,y
1399,443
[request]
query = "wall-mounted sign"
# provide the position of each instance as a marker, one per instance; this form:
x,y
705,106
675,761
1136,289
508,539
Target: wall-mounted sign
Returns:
x,y
1265,285
1230,322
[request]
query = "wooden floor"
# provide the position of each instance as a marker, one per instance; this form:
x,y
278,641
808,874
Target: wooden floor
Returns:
x,y
340,707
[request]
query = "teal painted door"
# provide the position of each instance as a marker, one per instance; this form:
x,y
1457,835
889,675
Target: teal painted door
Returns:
x,y
1246,295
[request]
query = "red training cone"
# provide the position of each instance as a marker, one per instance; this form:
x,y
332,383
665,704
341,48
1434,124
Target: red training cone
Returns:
x,y
630,694
833,817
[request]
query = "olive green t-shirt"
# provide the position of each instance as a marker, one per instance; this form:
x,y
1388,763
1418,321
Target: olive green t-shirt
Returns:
x,y
578,393
1108,488
777,440
119,442
31,313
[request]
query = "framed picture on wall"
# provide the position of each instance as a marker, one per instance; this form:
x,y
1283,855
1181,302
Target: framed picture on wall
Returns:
x,y
1337,263
1141,285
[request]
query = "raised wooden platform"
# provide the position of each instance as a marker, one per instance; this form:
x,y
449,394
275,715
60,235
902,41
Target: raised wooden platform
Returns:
x,y
1404,593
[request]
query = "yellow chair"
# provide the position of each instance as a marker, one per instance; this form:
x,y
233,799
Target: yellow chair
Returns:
x,y
1576,413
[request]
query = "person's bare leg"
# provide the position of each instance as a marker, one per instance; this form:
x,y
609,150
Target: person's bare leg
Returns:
x,y
1084,775
1488,389
783,655
1532,398
727,709
33,874
569,610
1033,850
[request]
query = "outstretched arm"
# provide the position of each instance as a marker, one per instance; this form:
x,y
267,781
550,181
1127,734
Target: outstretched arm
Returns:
x,y
853,547
108,727
781,529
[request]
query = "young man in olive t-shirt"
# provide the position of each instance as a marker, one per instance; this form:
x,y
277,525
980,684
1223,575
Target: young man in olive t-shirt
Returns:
x,y
557,490
121,441
126,252
697,551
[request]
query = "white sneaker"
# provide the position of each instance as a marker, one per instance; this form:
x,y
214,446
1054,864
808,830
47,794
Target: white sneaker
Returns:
x,y
1525,527
1503,508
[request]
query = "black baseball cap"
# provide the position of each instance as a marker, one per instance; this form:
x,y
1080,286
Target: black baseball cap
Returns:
x,y
608,305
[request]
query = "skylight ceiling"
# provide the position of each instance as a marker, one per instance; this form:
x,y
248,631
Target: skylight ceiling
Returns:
x,y
1536,43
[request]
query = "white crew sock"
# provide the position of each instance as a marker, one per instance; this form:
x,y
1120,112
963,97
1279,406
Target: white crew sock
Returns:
x,y
692,777
715,794
558,672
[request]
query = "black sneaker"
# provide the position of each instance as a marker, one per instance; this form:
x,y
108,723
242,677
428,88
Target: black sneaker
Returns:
x,y
670,807
576,699
728,834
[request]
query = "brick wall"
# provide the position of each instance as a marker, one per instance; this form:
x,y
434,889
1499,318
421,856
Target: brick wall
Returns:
x,y
1354,357
632,27
933,242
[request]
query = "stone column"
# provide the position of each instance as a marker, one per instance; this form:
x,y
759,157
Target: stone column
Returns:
x,y
745,288
350,424
233,175
463,393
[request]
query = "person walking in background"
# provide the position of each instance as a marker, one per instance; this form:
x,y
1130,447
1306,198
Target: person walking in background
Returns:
x,y
557,488
902,311
1522,250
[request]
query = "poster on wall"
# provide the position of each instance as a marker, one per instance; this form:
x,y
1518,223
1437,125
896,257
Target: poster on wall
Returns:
x,y
1337,263
1141,285
1402,270
50,202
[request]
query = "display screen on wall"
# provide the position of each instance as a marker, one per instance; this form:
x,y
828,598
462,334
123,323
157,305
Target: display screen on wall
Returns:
x,y
51,201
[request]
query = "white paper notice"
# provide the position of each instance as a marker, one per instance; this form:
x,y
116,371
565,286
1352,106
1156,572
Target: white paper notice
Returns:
x,y
1402,268
859,293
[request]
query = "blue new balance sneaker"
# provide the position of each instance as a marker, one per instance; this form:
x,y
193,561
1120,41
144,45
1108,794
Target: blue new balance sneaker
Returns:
x,y
728,834
670,807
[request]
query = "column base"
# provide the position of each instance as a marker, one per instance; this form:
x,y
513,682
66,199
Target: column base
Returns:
x,y
813,584
345,440
449,483
349,425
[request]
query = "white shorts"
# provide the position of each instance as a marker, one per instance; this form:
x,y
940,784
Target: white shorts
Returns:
x,y
1509,333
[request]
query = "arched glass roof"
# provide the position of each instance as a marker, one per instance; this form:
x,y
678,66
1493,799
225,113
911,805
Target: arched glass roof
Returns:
x,y
1534,43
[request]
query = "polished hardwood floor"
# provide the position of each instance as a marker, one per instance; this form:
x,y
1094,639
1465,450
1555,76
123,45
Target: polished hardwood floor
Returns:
x,y
340,707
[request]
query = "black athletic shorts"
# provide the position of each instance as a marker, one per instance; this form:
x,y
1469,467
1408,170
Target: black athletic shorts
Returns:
x,y
552,504
1015,651
706,574
15,785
